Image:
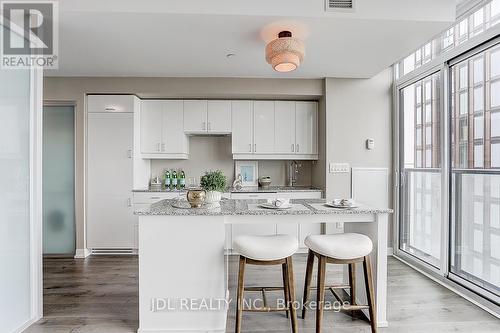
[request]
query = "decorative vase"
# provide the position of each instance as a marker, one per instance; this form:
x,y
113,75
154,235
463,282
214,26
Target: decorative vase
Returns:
x,y
212,199
196,198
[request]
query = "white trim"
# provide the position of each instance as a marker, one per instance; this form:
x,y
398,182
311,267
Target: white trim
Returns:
x,y
82,253
36,245
390,251
25,325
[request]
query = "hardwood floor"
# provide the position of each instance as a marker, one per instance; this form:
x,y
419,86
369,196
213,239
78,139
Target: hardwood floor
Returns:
x,y
99,295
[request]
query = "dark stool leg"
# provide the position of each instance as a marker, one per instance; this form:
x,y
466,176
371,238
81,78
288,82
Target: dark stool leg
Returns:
x,y
286,291
352,283
321,292
239,297
291,289
307,283
369,293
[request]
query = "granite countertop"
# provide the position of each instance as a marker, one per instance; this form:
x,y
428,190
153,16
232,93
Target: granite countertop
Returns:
x,y
251,207
251,189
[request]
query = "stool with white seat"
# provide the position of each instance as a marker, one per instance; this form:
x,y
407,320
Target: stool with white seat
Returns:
x,y
346,249
266,250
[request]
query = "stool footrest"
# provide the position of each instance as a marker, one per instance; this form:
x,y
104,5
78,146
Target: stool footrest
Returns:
x,y
266,309
263,288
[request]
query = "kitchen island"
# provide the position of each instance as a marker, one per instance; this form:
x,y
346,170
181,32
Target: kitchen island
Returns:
x,y
183,275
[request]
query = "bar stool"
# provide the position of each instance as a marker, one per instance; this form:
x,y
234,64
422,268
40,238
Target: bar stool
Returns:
x,y
266,250
346,249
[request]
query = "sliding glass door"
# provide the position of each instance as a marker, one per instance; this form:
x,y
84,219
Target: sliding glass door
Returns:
x,y
475,172
420,167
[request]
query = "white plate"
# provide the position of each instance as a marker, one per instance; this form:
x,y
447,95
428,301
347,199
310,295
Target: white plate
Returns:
x,y
329,204
271,206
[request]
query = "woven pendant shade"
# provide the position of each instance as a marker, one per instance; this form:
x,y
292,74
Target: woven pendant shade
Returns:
x,y
285,53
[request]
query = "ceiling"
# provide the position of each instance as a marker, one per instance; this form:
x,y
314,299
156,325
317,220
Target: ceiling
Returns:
x,y
179,38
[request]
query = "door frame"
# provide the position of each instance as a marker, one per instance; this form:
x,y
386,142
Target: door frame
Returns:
x,y
49,103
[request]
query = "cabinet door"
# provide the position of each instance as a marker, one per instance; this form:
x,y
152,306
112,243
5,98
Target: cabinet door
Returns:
x,y
284,127
263,127
219,116
306,128
173,137
151,126
242,127
195,116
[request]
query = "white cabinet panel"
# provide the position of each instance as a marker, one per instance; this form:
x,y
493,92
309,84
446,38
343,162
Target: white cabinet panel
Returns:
x,y
195,116
151,126
291,229
242,127
260,229
263,129
306,229
284,127
219,116
306,125
110,219
174,140
110,103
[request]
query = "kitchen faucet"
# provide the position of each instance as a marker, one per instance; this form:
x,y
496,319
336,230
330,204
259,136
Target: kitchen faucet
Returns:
x,y
293,171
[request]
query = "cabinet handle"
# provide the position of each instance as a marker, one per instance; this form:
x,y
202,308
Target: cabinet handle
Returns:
x,y
155,198
129,202
162,147
297,148
109,109
129,153
250,147
204,126
293,147
158,146
255,147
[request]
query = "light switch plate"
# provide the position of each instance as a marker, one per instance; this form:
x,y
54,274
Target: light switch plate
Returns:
x,y
339,167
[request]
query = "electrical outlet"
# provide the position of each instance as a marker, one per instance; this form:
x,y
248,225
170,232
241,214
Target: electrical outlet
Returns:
x,y
339,167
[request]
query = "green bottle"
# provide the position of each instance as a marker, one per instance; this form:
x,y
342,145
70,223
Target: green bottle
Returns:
x,y
166,179
173,184
182,180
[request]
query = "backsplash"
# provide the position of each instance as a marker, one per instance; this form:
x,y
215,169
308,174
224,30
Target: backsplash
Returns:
x,y
211,153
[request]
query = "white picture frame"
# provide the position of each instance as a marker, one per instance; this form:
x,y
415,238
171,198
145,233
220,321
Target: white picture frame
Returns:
x,y
249,171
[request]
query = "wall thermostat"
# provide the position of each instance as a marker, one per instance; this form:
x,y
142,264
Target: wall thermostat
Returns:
x,y
370,144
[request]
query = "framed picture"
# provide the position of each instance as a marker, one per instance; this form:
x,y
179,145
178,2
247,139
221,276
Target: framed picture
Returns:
x,y
249,171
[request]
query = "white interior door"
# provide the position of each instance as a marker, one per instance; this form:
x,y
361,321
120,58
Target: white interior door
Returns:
x,y
173,138
195,116
219,116
110,222
151,126
242,127
306,125
263,129
284,127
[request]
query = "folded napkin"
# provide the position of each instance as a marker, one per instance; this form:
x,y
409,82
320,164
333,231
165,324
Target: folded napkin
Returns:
x,y
279,202
343,202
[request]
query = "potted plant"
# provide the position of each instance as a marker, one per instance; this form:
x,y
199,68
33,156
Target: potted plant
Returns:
x,y
214,183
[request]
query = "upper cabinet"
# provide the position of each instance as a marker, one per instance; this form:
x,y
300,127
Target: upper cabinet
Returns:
x,y
275,130
161,132
207,117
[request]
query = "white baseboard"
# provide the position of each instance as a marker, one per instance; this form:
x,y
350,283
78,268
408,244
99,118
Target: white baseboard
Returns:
x,y
82,253
25,325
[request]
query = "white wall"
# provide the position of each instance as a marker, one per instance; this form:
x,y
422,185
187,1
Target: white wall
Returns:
x,y
357,109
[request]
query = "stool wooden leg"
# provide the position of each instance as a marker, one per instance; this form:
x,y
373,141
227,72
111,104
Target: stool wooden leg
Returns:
x,y
307,283
369,293
291,289
240,296
352,283
286,290
321,292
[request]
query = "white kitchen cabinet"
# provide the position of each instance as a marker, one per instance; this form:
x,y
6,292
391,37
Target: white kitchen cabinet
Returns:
x,y
151,127
284,127
306,128
263,127
219,117
242,127
195,116
110,219
161,132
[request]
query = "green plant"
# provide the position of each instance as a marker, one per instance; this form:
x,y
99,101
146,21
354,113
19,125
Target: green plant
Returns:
x,y
214,181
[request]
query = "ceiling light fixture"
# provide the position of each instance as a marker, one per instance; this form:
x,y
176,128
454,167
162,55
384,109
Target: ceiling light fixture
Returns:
x,y
285,53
